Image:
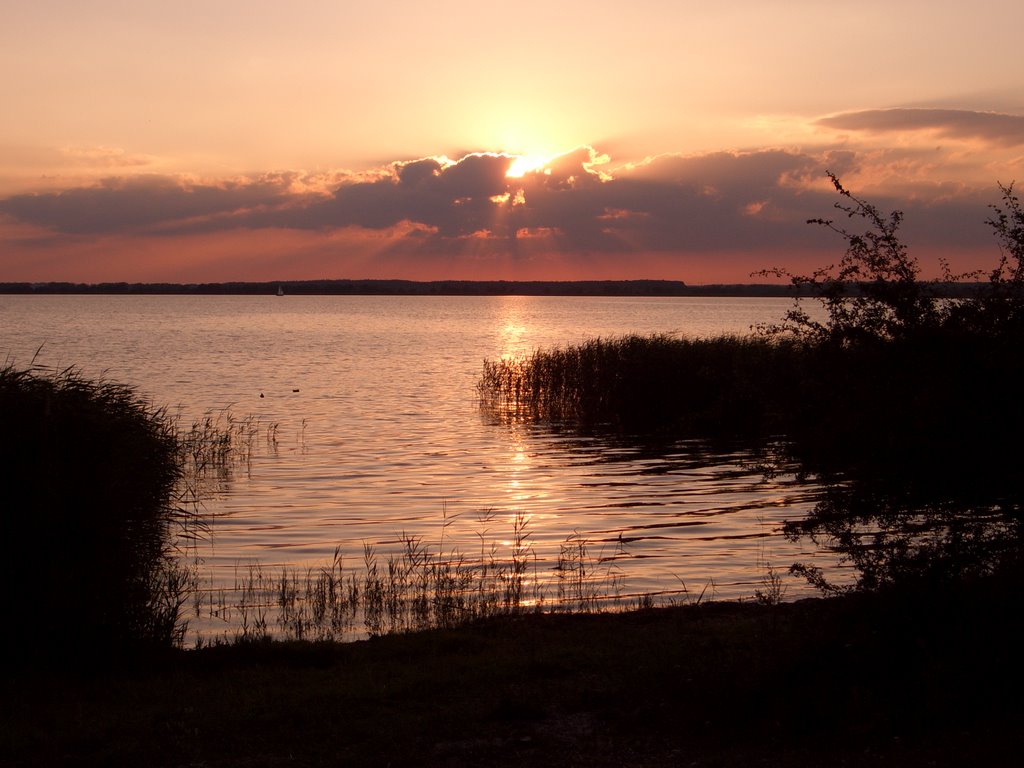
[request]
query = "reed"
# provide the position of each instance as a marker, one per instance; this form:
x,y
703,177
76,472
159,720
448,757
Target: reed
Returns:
x,y
930,405
662,382
418,586
108,496
586,581
216,445
95,520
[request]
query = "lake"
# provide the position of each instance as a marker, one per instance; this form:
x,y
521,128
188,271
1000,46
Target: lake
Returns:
x,y
369,428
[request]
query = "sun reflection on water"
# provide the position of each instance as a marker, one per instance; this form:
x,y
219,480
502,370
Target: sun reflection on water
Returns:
x,y
515,327
519,468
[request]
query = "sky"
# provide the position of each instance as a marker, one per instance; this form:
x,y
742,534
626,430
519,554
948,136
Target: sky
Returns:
x,y
220,140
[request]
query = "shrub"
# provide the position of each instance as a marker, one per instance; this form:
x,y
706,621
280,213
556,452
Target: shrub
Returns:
x,y
906,402
874,292
1008,227
999,308
924,538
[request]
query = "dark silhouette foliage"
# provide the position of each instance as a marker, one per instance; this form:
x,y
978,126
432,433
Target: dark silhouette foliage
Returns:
x,y
999,309
91,520
874,292
899,534
1008,226
905,390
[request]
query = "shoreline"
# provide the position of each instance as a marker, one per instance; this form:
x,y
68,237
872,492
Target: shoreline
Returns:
x,y
622,288
866,679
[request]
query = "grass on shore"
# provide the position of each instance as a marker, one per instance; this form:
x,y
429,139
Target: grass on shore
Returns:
x,y
420,587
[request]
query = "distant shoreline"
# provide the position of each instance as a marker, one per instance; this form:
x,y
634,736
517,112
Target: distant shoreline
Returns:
x,y
649,288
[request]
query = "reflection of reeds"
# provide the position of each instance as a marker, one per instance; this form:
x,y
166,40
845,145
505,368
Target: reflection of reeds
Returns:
x,y
417,587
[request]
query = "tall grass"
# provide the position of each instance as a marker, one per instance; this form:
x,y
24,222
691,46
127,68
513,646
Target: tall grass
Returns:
x,y
104,499
662,382
92,519
419,586
922,405
217,445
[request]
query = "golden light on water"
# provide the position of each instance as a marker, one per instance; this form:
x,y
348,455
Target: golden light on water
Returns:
x,y
519,466
515,327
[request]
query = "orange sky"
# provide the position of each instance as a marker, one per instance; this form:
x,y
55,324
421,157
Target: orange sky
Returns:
x,y
147,141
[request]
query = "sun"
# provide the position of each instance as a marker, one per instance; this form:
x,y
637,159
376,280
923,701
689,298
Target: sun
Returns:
x,y
524,164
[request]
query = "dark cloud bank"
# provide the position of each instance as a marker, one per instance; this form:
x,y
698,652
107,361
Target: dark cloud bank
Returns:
x,y
729,201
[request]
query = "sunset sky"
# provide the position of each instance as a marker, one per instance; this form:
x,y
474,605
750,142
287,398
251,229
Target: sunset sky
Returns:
x,y
257,140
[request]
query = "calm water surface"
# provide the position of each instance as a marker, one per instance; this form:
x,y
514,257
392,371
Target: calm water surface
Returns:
x,y
380,431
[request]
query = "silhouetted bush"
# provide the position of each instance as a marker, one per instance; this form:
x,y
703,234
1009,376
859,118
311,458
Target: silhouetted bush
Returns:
x,y
908,411
90,521
999,308
898,374
875,293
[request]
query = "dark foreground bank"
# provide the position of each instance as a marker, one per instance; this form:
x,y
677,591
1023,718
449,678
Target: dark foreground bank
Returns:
x,y
861,680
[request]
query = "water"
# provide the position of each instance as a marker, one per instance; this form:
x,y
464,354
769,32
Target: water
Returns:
x,y
379,430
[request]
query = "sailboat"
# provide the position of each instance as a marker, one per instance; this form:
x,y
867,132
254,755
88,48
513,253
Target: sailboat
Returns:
x,y
280,290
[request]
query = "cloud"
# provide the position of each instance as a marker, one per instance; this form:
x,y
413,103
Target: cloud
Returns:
x,y
143,204
992,127
665,202
579,206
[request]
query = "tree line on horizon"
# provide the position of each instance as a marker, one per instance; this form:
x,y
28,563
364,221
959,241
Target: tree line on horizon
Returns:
x,y
383,287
